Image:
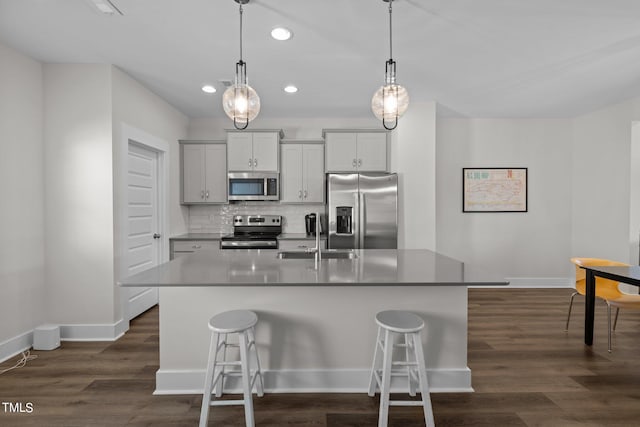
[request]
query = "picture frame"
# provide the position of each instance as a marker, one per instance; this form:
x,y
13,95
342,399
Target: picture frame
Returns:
x,y
500,189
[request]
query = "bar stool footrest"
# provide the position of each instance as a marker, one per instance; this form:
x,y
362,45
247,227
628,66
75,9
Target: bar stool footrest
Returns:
x,y
406,403
226,402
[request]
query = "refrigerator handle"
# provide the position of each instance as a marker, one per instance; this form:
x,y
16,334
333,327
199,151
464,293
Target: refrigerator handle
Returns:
x,y
356,220
362,228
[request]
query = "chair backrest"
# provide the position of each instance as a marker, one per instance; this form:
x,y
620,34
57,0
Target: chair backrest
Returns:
x,y
605,288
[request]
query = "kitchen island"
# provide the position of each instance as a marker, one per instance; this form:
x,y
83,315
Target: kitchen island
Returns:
x,y
316,329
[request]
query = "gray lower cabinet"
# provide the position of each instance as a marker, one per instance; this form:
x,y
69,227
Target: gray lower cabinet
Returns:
x,y
184,247
203,169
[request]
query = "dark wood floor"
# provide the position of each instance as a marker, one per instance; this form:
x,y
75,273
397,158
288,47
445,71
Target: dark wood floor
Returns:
x,y
526,372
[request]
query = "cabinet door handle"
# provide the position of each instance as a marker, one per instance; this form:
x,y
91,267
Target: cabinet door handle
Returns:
x,y
250,162
302,246
305,194
359,162
255,163
202,194
207,195
353,163
300,194
196,246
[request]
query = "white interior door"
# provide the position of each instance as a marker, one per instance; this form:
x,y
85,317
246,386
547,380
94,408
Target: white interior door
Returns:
x,y
143,225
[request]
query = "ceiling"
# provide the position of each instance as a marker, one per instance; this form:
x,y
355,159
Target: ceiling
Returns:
x,y
476,58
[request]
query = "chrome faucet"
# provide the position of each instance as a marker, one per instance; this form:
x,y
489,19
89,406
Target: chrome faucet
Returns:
x,y
317,251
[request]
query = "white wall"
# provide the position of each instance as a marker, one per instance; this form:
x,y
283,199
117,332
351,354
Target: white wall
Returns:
x,y
529,248
634,194
602,198
138,107
413,156
85,108
78,194
22,189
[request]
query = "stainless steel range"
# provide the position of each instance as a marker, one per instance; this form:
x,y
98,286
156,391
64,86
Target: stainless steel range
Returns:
x,y
253,232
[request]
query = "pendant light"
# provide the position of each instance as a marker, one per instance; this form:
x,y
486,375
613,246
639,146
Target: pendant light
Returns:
x,y
240,101
391,100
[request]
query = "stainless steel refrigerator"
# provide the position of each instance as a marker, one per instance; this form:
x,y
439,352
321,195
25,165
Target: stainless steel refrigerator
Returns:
x,y
362,210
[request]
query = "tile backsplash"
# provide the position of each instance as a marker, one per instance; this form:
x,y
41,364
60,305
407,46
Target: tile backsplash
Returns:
x,y
219,218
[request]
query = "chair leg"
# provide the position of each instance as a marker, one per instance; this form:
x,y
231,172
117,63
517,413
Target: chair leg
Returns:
x,y
373,382
208,381
609,326
407,352
220,384
566,328
615,321
259,380
246,380
389,341
424,385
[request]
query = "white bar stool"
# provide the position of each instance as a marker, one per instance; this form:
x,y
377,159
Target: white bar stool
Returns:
x,y
240,322
391,324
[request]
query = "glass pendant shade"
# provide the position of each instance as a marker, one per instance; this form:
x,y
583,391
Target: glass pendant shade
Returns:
x,y
390,102
241,103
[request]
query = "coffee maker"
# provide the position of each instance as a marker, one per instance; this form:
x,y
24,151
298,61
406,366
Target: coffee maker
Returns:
x,y
310,224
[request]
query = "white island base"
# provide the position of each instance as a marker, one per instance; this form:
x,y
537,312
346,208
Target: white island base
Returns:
x,y
312,338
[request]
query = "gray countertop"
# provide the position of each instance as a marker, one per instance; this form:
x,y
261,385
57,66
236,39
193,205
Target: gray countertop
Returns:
x,y
217,236
299,236
198,236
371,267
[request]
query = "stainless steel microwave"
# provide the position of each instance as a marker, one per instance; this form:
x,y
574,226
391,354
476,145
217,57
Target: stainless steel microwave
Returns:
x,y
253,186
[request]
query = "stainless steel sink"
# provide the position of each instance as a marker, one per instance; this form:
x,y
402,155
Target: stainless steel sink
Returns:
x,y
328,254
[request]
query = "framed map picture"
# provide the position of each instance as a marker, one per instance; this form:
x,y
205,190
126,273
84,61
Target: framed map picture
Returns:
x,y
494,190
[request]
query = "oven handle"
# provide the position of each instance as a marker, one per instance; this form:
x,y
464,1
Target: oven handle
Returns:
x,y
231,244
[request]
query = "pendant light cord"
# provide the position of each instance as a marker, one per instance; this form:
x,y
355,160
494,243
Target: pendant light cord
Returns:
x,y
390,32
241,33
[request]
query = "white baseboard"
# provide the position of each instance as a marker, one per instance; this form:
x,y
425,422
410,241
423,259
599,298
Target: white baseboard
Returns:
x,y
95,332
15,345
311,381
535,282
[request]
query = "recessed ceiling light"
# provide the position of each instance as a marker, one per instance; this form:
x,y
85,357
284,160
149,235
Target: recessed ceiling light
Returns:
x,y
208,89
281,33
290,89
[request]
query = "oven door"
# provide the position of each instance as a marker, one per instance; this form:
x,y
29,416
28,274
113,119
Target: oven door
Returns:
x,y
253,186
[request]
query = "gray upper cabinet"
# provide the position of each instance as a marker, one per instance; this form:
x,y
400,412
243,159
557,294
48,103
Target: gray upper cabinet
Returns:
x,y
302,178
356,151
203,169
255,151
